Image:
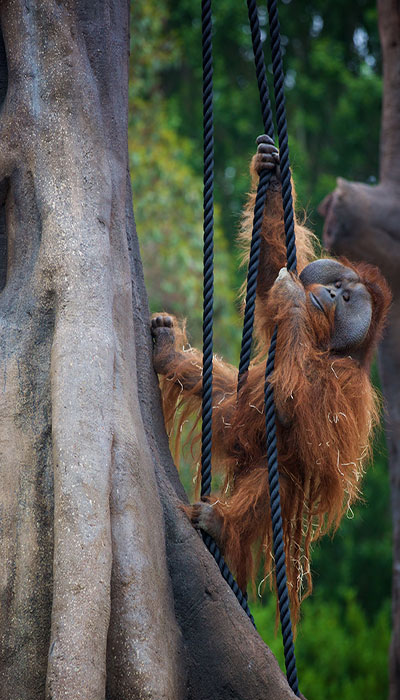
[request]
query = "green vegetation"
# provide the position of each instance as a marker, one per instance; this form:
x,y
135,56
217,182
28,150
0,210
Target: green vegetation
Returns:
x,y
167,188
333,91
340,653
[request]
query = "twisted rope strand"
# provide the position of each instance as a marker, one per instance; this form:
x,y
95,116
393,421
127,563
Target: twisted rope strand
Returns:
x,y
263,183
227,575
277,525
266,111
277,67
252,273
208,249
250,298
208,292
270,420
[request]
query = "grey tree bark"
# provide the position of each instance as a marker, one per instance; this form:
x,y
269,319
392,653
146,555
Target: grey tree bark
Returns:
x,y
362,223
105,589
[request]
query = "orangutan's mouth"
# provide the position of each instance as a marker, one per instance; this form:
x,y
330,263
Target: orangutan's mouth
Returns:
x,y
316,302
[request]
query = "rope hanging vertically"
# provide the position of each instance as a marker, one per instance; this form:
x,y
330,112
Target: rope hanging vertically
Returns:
x,y
252,272
208,250
281,122
272,456
270,421
208,292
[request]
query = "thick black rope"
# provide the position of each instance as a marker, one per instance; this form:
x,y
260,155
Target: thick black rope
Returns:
x,y
272,454
266,111
277,67
277,525
270,421
250,300
226,573
208,261
208,250
252,272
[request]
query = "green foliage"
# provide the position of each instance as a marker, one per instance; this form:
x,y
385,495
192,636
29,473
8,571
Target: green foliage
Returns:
x,y
167,193
339,652
361,549
333,92
168,209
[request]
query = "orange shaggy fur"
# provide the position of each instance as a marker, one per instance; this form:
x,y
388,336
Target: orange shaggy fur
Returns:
x,y
326,409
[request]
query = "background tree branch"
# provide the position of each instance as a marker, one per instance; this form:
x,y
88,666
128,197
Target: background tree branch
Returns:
x,y
362,222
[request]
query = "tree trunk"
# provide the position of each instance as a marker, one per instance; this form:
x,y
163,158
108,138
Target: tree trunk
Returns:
x,y
362,223
106,590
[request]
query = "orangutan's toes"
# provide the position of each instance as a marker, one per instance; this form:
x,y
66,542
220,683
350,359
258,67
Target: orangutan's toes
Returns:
x,y
204,516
